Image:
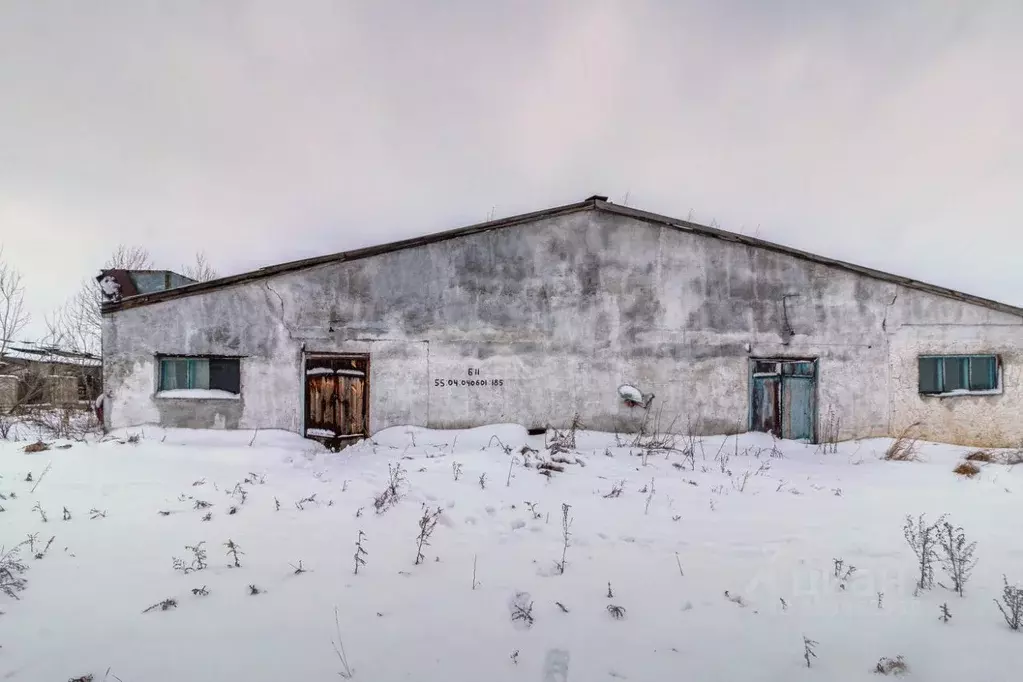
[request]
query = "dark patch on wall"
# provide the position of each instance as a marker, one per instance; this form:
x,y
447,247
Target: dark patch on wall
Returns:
x,y
589,278
221,337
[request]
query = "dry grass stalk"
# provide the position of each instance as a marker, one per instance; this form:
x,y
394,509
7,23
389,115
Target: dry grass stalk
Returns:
x,y
903,448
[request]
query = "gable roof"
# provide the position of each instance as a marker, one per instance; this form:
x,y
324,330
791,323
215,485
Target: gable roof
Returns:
x,y
593,203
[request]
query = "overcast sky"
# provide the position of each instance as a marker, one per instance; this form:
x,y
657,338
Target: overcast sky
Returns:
x,y
885,133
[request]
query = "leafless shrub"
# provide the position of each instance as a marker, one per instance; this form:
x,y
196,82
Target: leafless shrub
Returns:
x,y
427,524
360,552
566,523
967,469
514,657
649,498
616,490
133,439
82,678
564,609
532,509
1011,605
393,492
198,561
208,516
42,554
298,570
1014,457
923,540
67,514
888,666
507,449
42,514
253,590
809,650
522,609
300,505
456,470
12,570
980,456
830,427
200,591
483,481
904,447
654,436
164,605
946,615
616,612
956,555
233,552
346,671
201,504
739,482
880,600
277,504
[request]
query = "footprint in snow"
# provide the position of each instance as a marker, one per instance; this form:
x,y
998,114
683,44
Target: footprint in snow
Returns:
x,y
491,510
517,524
470,520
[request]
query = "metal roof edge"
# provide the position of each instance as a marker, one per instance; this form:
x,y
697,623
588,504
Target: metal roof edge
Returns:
x,y
342,256
755,242
595,202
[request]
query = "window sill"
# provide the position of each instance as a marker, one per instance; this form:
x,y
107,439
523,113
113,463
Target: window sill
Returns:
x,y
197,394
963,394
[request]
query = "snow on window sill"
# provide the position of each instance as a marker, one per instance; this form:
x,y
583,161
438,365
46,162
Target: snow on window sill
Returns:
x,y
962,393
198,394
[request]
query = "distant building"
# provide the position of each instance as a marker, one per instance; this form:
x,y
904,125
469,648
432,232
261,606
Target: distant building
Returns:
x,y
619,316
33,374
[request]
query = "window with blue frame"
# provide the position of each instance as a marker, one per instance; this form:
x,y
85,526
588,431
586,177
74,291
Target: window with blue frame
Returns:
x,y
221,374
958,374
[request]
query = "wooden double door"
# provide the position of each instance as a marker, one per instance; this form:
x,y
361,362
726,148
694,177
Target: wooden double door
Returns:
x,y
337,398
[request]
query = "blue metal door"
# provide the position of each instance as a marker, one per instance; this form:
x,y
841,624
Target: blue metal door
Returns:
x,y
797,408
783,397
766,404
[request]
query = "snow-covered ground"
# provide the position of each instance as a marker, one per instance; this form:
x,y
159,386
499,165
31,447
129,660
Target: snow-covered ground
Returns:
x,y
670,554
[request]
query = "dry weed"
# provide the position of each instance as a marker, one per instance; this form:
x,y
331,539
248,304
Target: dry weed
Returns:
x,y
968,469
903,448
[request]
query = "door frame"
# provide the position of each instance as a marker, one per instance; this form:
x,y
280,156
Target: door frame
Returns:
x,y
815,416
306,357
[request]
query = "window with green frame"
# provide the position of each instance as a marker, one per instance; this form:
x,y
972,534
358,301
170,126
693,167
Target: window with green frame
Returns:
x,y
221,374
958,374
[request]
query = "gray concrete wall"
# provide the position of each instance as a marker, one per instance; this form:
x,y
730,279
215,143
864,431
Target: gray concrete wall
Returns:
x,y
561,312
8,390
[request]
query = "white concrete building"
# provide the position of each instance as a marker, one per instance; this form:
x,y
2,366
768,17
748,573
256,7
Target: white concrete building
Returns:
x,y
536,318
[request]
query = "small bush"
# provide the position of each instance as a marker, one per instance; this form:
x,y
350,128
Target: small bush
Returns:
x,y
889,666
1011,605
968,469
903,448
980,456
